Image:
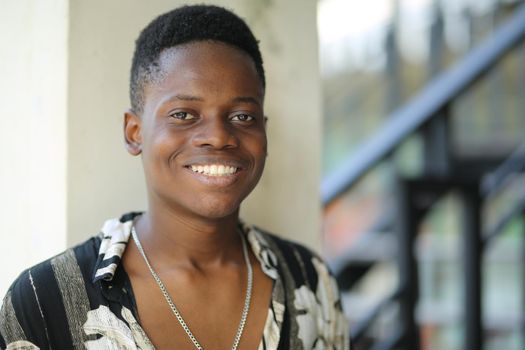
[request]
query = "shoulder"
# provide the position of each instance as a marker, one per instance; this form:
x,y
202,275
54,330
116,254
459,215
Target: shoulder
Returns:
x,y
314,299
41,293
293,258
75,262
283,243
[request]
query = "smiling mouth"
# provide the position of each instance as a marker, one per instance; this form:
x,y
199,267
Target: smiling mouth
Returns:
x,y
214,169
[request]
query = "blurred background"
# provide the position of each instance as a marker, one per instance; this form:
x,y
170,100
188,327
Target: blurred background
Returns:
x,y
422,185
403,119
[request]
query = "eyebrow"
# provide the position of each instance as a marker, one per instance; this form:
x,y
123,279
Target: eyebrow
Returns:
x,y
247,99
239,99
187,98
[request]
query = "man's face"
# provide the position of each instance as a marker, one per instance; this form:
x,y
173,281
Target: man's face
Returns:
x,y
202,132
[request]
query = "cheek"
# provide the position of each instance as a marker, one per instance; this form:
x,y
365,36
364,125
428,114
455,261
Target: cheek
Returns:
x,y
257,146
160,148
257,142
263,147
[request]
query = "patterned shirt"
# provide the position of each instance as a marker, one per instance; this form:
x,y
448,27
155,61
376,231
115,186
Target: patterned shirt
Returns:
x,y
82,298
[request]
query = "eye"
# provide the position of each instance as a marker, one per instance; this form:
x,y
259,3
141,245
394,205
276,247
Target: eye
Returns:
x,y
182,115
242,118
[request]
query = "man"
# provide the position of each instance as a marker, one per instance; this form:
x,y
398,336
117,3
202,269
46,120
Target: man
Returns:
x,y
187,273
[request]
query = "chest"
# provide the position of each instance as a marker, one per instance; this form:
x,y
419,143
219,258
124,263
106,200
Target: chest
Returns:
x,y
211,309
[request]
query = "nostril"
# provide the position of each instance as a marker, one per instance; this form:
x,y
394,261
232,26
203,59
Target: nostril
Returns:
x,y
218,138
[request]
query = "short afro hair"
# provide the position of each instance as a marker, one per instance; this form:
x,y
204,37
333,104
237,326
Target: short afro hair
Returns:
x,y
183,25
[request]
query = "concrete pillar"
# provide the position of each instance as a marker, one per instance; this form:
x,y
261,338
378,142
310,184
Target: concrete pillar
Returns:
x,y
33,86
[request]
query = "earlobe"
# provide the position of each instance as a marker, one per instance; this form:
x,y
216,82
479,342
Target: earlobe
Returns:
x,y
132,132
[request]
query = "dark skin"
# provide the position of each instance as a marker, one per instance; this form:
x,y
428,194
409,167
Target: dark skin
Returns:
x,y
206,110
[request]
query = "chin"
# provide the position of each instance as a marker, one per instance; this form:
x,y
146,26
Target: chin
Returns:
x,y
217,210
216,205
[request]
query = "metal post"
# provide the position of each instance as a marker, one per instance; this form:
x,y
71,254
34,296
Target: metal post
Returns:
x,y
521,53
496,106
435,59
394,84
523,281
472,254
437,149
436,133
465,105
408,275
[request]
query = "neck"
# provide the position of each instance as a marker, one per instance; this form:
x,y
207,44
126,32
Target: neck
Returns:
x,y
174,239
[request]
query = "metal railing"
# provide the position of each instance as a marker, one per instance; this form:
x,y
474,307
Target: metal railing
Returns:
x,y
434,98
428,113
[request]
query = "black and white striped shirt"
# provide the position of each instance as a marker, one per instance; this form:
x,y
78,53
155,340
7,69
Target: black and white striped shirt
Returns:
x,y
82,298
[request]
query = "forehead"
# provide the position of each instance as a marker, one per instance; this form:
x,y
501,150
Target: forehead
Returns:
x,y
207,65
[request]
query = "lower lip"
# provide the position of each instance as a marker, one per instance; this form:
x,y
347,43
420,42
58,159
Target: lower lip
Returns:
x,y
217,180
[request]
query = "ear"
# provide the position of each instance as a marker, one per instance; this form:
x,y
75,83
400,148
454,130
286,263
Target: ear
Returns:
x,y
265,129
133,132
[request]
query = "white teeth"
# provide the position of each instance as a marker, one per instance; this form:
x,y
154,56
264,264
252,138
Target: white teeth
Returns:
x,y
214,169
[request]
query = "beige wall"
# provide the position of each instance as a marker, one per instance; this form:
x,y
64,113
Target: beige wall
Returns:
x,y
33,87
287,199
103,181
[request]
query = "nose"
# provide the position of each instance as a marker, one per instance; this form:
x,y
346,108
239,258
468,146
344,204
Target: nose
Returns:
x,y
215,132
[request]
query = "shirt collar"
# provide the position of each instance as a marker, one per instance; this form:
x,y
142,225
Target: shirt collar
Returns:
x,y
115,237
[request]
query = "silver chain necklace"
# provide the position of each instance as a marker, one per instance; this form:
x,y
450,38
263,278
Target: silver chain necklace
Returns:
x,y
176,311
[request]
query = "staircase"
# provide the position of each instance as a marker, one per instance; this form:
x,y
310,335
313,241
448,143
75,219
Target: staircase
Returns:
x,y
482,185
